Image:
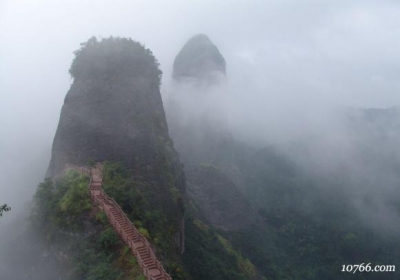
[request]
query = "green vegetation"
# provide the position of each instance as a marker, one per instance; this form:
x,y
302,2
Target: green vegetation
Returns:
x,y
134,197
308,225
62,202
80,233
210,256
207,256
111,57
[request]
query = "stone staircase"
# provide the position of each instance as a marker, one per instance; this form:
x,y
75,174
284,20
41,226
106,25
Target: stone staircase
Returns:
x,y
138,244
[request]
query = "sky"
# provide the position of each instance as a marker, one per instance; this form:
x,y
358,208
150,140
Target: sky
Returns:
x,y
280,55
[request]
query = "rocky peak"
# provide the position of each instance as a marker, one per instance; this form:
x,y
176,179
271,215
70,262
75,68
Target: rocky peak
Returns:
x,y
114,112
199,60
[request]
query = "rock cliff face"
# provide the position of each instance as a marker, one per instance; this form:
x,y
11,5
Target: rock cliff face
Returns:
x,y
196,117
201,134
113,112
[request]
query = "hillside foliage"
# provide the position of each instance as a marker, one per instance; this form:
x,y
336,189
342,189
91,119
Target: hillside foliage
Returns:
x,y
309,225
78,234
207,254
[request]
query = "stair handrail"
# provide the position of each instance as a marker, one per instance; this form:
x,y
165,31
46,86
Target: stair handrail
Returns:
x,y
119,228
137,233
114,222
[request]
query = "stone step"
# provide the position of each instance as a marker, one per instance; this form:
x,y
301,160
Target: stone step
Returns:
x,y
159,277
131,236
146,256
148,262
152,266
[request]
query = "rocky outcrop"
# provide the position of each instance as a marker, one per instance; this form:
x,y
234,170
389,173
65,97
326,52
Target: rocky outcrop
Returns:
x,y
113,112
200,129
196,117
199,60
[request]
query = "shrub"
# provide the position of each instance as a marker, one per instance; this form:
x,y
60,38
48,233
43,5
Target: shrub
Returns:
x,y
108,238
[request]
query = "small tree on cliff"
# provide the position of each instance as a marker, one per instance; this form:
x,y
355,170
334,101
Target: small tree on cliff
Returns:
x,y
4,208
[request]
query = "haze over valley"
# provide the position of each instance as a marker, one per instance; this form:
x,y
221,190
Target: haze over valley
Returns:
x,y
245,140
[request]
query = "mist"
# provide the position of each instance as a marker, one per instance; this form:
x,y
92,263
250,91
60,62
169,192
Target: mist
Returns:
x,y
292,70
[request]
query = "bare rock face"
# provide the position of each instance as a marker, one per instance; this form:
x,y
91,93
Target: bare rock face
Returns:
x,y
196,114
114,112
199,59
200,129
